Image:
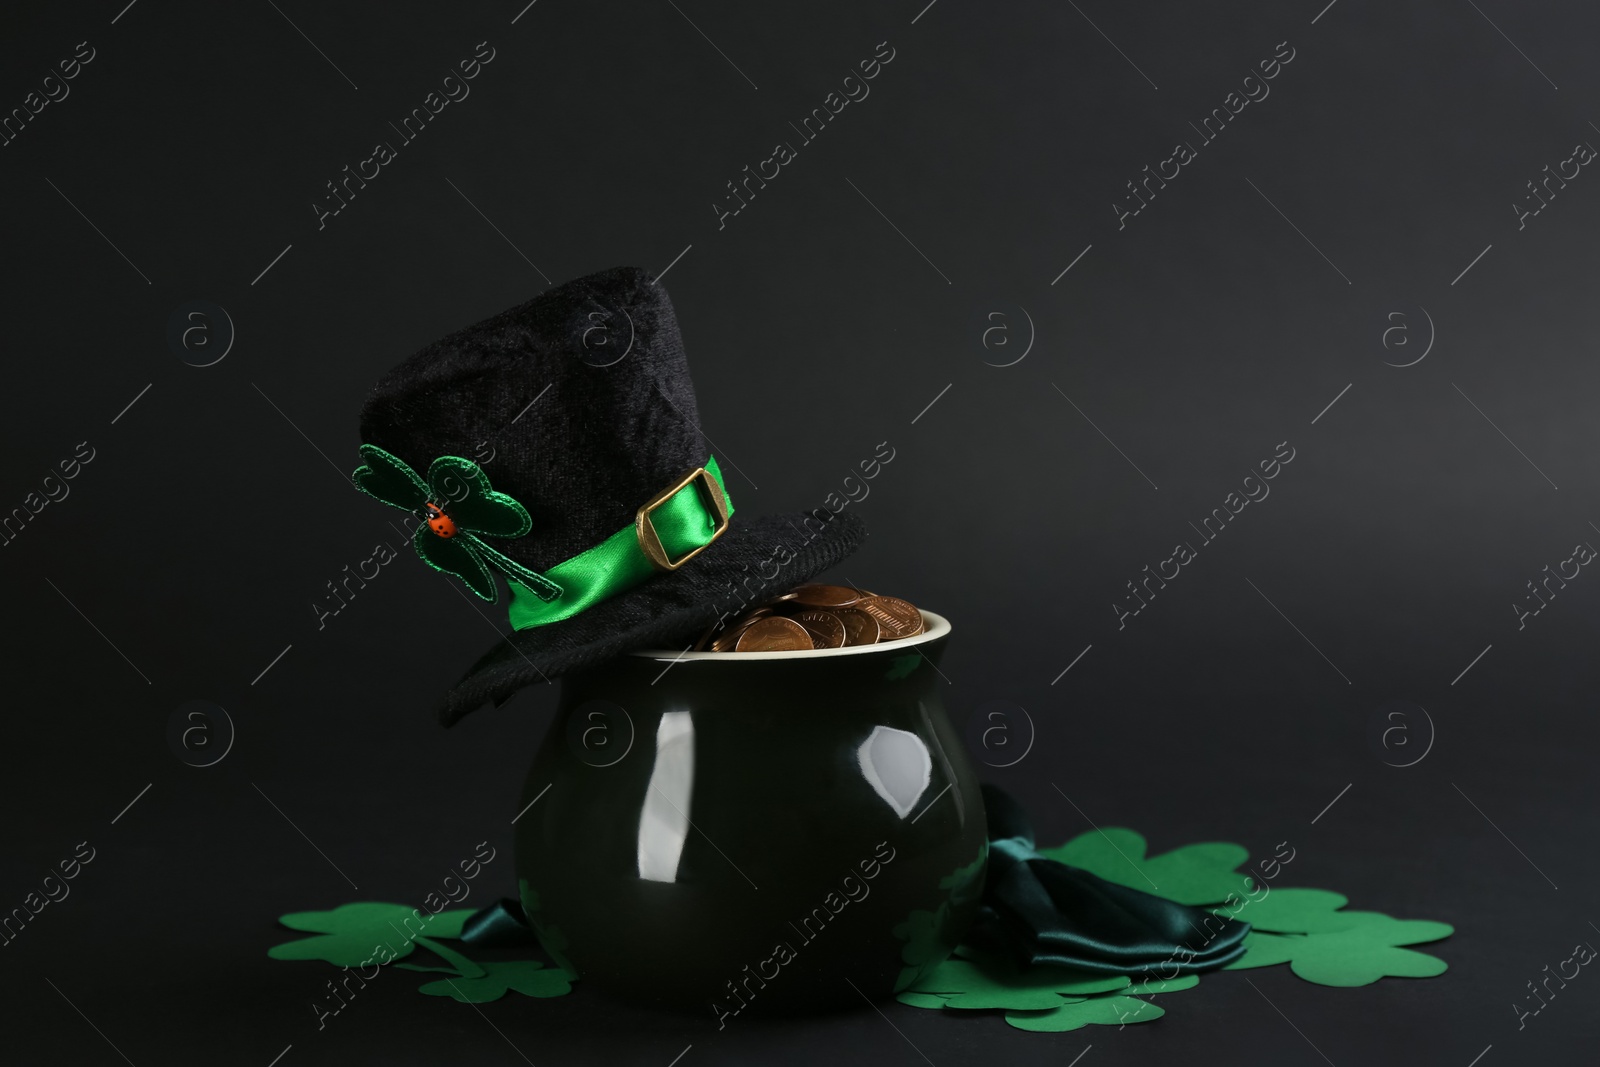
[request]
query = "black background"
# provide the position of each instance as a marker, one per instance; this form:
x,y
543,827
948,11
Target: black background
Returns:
x,y
1197,338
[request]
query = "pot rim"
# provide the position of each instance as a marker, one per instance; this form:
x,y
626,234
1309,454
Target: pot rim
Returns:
x,y
933,627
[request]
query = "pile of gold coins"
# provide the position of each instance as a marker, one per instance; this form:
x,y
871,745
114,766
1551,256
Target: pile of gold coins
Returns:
x,y
816,616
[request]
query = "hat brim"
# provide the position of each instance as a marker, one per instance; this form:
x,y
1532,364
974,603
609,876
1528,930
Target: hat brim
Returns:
x,y
670,610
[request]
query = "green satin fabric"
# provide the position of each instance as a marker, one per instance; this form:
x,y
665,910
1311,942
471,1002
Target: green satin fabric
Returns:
x,y
498,925
682,522
1049,913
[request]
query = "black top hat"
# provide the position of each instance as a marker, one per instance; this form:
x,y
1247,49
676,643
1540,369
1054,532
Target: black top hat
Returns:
x,y
559,443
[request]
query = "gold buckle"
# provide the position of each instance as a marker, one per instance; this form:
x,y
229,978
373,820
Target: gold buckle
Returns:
x,y
650,541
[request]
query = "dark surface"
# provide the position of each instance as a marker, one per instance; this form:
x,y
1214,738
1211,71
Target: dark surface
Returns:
x,y
998,139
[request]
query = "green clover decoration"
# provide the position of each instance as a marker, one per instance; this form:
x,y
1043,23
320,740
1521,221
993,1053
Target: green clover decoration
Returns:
x,y
458,510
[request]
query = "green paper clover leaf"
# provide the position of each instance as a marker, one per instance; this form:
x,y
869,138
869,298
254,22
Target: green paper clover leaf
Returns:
x,y
1006,999
1265,950
1015,995
921,1000
353,934
1194,874
970,985
528,977
1300,911
1102,1011
1356,956
457,491
1163,985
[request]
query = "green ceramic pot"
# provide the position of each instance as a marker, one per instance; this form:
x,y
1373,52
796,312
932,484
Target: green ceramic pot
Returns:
x,y
751,833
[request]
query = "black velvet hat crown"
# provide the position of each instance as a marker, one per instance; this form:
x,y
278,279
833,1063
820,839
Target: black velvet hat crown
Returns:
x,y
578,407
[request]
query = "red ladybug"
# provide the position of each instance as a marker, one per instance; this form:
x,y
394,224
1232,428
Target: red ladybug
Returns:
x,y
440,523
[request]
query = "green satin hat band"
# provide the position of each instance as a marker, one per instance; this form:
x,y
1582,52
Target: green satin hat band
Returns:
x,y
684,523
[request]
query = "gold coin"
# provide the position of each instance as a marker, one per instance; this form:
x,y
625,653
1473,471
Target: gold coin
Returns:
x,y
725,641
895,617
859,627
825,596
826,628
773,634
704,640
